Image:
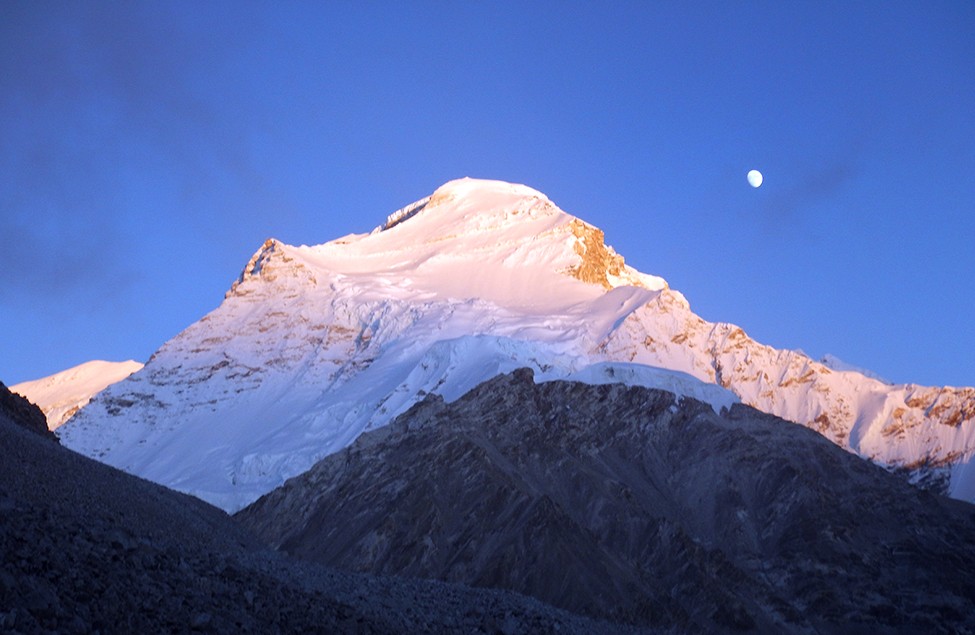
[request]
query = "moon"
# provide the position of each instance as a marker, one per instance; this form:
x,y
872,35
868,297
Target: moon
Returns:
x,y
755,178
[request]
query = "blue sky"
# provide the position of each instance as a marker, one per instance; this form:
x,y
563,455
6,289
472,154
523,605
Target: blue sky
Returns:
x,y
148,149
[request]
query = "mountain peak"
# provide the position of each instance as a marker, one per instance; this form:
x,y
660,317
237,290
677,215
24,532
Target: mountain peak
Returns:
x,y
501,242
477,190
468,206
474,194
255,267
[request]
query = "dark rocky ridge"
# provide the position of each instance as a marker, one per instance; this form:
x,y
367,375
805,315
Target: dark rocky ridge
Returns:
x,y
85,548
23,413
622,503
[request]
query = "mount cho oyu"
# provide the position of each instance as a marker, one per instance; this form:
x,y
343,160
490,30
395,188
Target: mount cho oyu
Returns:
x,y
314,345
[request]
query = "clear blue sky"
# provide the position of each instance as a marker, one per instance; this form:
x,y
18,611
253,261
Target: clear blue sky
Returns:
x,y
148,149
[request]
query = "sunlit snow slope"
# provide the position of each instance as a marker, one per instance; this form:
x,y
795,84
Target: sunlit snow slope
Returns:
x,y
314,345
62,394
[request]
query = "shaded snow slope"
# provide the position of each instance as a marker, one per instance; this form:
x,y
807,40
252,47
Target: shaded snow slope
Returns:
x,y
62,394
315,344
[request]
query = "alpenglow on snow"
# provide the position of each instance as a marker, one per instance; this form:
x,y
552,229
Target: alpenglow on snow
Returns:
x,y
314,345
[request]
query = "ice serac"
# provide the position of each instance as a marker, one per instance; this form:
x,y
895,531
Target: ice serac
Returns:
x,y
61,395
313,345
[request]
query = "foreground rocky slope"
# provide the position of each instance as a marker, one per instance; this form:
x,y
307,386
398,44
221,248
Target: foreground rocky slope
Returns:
x,y
626,503
314,345
85,548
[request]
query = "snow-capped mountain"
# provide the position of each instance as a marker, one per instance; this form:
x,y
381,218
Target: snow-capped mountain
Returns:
x,y
314,345
62,394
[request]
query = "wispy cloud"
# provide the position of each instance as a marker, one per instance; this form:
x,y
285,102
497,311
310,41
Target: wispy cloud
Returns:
x,y
97,103
810,184
812,187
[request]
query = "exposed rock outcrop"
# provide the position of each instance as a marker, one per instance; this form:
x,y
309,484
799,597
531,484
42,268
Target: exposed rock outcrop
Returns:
x,y
25,414
623,503
598,261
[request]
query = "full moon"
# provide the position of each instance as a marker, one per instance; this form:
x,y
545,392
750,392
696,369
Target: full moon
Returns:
x,y
754,178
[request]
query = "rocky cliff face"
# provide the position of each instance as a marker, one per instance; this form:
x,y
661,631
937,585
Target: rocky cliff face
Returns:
x,y
22,412
627,503
598,262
